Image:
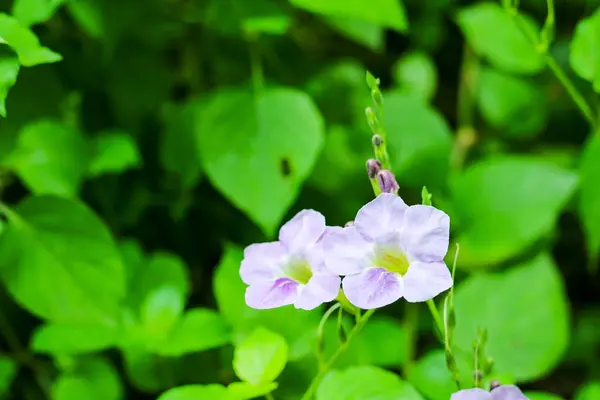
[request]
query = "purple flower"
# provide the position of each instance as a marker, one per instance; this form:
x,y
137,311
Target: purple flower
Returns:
x,y
504,392
292,270
392,251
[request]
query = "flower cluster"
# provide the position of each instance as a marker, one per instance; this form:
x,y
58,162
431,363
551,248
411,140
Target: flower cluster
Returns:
x,y
391,251
503,392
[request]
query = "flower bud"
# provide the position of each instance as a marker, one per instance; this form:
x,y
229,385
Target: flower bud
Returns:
x,y
373,168
349,224
494,385
387,182
377,140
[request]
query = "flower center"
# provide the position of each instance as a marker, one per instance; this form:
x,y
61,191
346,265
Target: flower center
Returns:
x,y
299,270
393,260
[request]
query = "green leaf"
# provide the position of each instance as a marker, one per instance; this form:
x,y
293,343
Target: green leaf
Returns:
x,y
239,17
387,13
62,242
258,151
542,396
589,197
500,216
359,383
495,34
113,152
161,308
419,139
496,302
366,33
9,69
416,75
246,391
8,370
31,12
298,328
150,372
25,43
431,377
50,158
512,105
91,378
585,49
70,339
88,16
589,391
260,357
197,392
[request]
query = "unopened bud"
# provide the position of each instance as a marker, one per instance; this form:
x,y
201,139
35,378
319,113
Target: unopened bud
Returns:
x,y
387,182
373,168
494,385
377,140
349,224
377,97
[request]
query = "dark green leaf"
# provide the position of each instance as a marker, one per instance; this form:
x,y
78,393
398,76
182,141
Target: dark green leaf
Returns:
x,y
8,370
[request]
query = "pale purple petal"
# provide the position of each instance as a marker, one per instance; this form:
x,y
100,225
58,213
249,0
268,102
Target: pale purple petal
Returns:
x,y
264,295
471,394
303,230
262,262
507,392
424,281
381,216
346,250
320,289
373,288
425,233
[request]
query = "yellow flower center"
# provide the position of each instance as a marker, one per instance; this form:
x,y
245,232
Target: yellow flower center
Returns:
x,y
393,260
299,270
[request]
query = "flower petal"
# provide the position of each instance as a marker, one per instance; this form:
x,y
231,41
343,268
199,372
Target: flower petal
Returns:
x,y
373,288
425,233
424,281
508,392
471,394
320,289
303,230
345,250
381,217
262,262
278,293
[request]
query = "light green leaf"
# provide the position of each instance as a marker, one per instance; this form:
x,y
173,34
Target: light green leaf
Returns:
x,y
70,339
50,158
161,308
589,391
501,216
197,392
388,13
113,152
8,370
9,69
31,12
542,396
246,391
359,383
585,49
296,327
431,377
363,32
419,140
63,242
416,75
92,378
260,357
589,197
496,302
25,43
258,151
494,34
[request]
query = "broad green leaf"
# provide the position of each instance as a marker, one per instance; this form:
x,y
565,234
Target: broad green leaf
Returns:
x,y
50,158
298,328
510,104
496,301
366,382
9,69
589,391
388,13
8,370
364,32
59,261
416,75
589,197
133,258
31,12
113,152
25,43
494,34
260,357
91,378
257,150
585,49
197,392
419,141
431,377
542,396
504,204
246,391
161,308
70,339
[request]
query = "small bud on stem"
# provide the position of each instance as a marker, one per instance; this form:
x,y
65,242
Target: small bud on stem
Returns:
x,y
387,182
373,168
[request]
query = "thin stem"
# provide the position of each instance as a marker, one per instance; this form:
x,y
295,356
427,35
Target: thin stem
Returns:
x,y
258,78
327,366
436,317
411,321
466,134
320,332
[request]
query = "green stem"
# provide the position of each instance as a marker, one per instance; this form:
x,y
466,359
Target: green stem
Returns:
x,y
320,332
466,134
436,317
343,347
258,78
411,322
